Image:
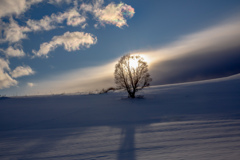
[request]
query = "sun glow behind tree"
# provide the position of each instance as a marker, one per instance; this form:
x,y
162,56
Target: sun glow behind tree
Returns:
x,y
133,63
131,74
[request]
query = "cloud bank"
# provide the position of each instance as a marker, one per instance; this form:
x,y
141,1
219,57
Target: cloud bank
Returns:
x,y
70,40
210,53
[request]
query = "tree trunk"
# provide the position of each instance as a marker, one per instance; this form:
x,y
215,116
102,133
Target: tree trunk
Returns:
x,y
131,95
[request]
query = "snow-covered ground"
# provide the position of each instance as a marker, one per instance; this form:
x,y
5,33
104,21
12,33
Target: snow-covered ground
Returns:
x,y
190,121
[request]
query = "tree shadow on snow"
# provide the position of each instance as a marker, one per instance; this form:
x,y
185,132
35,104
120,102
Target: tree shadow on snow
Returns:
x,y
127,144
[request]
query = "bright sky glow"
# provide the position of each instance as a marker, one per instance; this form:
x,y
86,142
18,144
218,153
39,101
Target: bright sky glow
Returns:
x,y
133,63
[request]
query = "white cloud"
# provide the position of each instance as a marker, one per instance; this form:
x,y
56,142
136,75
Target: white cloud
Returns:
x,y
89,7
4,64
70,40
74,18
15,7
12,32
5,80
11,52
46,23
22,71
114,14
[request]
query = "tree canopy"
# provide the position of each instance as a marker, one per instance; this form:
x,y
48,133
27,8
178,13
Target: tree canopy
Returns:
x,y
131,74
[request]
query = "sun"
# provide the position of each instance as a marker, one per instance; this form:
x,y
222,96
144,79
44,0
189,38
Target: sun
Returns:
x,y
133,63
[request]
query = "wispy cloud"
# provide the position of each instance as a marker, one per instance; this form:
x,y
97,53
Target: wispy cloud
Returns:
x,y
5,80
70,40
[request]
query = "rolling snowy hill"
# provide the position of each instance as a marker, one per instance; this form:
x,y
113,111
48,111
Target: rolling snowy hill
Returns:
x,y
197,120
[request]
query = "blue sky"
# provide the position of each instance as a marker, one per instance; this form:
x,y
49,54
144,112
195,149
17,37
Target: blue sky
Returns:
x,y
60,46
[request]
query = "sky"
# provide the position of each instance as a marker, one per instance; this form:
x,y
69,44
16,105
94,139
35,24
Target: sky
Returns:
x,y
69,46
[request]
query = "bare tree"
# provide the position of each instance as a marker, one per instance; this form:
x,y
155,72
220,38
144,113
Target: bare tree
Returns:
x,y
131,74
